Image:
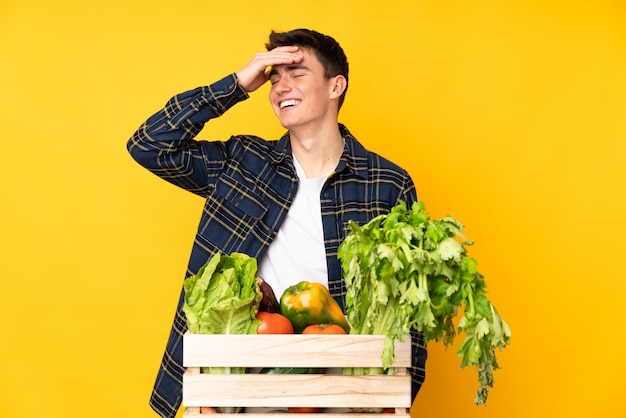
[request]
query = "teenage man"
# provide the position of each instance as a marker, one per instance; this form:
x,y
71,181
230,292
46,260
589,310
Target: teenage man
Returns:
x,y
285,202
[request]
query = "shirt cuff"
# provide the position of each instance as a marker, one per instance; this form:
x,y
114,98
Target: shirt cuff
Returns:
x,y
226,93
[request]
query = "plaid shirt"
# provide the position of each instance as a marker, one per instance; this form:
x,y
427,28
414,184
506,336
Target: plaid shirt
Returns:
x,y
248,185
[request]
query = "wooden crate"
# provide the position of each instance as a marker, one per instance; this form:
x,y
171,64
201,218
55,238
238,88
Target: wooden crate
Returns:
x,y
335,393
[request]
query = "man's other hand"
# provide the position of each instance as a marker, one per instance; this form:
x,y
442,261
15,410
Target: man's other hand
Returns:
x,y
256,72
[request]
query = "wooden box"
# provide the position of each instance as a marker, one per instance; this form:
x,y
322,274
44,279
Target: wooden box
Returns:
x,y
338,395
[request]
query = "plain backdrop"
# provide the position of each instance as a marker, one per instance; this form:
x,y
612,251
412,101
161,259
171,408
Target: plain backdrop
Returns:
x,y
509,115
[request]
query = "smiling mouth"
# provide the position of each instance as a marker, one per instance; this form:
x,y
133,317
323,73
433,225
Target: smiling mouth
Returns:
x,y
289,103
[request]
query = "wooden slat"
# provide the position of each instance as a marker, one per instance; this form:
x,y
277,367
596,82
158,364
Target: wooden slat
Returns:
x,y
294,350
404,414
335,393
284,390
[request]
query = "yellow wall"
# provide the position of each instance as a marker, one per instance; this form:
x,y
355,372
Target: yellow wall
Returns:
x,y
511,116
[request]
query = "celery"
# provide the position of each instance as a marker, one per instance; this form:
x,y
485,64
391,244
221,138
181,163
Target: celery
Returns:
x,y
405,271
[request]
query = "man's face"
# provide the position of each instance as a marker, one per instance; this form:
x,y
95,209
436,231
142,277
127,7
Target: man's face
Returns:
x,y
300,94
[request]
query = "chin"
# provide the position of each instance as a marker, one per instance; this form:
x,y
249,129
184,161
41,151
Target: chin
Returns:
x,y
287,124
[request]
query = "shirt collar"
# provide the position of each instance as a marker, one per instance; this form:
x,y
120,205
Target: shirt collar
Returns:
x,y
281,150
354,157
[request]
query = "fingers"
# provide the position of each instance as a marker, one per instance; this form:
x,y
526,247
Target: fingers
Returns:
x,y
280,55
254,73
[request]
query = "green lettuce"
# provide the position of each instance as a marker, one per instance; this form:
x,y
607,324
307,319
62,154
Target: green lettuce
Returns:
x,y
223,298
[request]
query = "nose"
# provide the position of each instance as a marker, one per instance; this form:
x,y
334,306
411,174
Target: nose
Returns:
x,y
282,86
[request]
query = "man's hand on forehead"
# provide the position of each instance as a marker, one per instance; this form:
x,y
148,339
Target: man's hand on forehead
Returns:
x,y
255,73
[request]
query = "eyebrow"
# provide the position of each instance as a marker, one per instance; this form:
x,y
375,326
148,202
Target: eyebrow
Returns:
x,y
291,67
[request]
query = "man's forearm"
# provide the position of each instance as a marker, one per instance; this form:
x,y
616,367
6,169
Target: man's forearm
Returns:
x,y
182,118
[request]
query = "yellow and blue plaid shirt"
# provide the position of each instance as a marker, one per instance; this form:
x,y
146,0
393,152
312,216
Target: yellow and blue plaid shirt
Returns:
x,y
248,184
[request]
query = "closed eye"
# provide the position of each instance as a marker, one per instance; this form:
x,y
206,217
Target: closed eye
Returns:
x,y
294,71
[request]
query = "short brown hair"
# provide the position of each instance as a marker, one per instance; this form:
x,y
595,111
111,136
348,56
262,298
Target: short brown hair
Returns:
x,y
326,49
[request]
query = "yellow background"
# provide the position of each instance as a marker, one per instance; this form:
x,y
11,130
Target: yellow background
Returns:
x,y
510,116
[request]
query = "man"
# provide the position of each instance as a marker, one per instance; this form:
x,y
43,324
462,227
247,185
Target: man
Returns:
x,y
285,202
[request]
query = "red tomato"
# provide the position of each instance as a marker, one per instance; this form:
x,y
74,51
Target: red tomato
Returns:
x,y
273,323
207,410
302,409
323,329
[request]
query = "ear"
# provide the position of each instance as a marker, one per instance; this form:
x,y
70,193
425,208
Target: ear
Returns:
x,y
338,86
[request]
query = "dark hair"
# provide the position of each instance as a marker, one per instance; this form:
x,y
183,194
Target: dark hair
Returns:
x,y
326,49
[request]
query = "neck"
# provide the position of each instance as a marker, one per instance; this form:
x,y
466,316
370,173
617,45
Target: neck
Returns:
x,y
318,153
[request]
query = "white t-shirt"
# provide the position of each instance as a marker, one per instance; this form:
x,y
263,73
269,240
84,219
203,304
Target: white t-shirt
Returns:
x,y
297,253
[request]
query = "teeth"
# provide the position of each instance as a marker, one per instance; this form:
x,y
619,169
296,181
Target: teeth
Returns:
x,y
288,103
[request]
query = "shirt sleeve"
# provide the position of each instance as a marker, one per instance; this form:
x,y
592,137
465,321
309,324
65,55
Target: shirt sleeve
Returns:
x,y
165,144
